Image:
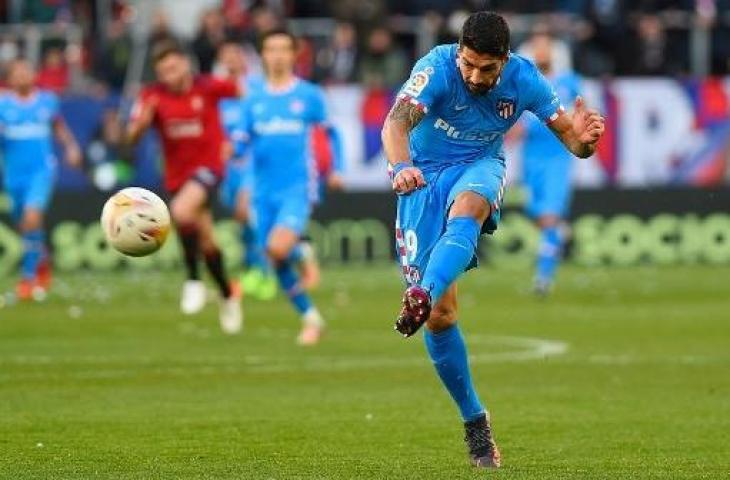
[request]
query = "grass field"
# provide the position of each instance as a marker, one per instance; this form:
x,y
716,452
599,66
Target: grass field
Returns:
x,y
623,373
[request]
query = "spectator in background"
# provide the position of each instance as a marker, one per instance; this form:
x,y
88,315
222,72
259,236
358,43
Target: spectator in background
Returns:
x,y
115,55
653,53
160,29
601,45
337,61
262,20
53,73
211,35
384,64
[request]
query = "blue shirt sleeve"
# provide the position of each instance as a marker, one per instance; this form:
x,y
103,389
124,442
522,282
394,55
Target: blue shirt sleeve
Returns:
x,y
542,100
426,85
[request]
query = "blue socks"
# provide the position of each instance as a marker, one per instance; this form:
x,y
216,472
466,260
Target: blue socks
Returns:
x,y
451,256
448,354
33,251
289,281
548,256
253,256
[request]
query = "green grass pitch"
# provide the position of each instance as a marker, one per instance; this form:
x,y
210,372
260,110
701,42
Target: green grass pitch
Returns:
x,y
622,374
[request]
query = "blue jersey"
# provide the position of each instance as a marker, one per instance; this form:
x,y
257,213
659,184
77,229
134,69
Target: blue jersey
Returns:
x,y
540,144
26,134
460,127
279,124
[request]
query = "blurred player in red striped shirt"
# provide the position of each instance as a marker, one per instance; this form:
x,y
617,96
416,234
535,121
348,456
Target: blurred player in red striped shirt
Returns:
x,y
183,107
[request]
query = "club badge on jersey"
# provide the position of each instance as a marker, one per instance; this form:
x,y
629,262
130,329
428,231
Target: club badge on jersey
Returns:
x,y
505,107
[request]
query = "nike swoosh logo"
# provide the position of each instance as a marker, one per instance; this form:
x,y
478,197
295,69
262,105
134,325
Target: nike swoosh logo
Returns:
x,y
459,108
475,184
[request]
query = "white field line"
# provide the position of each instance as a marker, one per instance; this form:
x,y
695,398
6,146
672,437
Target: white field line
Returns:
x,y
519,349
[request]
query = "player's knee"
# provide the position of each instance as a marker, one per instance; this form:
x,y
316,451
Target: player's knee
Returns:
x,y
441,318
277,252
548,221
471,204
181,213
32,220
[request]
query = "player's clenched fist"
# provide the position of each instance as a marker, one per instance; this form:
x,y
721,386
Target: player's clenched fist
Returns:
x,y
407,179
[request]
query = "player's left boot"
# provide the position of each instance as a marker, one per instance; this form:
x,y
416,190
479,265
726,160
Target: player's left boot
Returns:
x,y
231,312
416,310
483,452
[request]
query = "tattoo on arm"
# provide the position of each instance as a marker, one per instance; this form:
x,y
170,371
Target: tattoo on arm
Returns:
x,y
406,113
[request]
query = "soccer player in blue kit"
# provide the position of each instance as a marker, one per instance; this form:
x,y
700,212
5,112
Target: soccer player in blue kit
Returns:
x,y
547,167
278,119
443,140
237,186
29,120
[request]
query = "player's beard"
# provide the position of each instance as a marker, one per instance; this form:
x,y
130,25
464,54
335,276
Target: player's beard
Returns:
x,y
479,90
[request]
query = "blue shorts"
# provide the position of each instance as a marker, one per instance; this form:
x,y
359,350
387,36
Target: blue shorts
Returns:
x,y
421,216
238,178
548,185
33,192
290,210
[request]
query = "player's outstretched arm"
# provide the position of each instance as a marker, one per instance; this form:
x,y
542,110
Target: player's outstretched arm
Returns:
x,y
401,119
71,148
580,130
143,113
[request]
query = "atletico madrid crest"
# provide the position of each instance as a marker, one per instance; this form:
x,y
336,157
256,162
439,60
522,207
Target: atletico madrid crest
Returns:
x,y
505,107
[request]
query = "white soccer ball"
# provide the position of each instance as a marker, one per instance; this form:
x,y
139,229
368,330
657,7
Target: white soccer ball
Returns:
x,y
135,221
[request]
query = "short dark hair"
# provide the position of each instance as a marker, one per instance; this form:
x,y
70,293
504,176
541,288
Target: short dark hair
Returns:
x,y
486,33
166,47
277,31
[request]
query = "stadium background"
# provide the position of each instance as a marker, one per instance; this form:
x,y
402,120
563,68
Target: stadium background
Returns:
x,y
654,192
622,373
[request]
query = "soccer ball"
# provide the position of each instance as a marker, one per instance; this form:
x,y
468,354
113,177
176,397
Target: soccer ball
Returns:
x,y
135,221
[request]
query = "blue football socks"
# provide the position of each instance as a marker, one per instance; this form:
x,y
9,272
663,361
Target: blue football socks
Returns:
x,y
451,255
448,354
253,256
548,256
33,251
289,281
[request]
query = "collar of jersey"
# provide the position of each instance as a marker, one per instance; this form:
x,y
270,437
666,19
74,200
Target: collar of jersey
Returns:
x,y
283,90
27,100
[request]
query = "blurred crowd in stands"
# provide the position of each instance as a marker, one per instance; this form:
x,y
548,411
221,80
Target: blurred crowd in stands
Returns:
x,y
374,42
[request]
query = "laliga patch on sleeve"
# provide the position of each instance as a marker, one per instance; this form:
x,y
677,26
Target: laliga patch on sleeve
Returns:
x,y
416,84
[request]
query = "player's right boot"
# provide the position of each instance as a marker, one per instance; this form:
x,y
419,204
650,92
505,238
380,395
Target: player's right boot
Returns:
x,y
416,310
192,299
483,452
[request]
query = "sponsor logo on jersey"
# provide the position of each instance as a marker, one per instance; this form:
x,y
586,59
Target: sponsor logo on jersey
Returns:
x,y
472,135
505,107
416,84
279,126
27,131
184,128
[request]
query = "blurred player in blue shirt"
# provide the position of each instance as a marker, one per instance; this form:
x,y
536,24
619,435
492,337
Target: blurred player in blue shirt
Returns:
x,y
278,120
29,119
237,186
443,140
547,167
